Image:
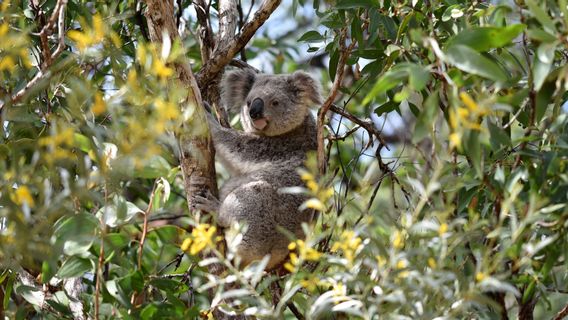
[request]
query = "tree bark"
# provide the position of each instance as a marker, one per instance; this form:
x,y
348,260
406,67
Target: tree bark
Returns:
x,y
196,147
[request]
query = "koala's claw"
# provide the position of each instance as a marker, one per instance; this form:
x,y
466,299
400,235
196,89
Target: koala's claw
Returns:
x,y
206,202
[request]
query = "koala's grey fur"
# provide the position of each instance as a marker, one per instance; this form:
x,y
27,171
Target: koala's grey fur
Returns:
x,y
262,161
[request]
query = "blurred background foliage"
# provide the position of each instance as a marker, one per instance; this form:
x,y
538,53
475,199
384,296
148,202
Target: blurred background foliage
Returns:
x,y
459,212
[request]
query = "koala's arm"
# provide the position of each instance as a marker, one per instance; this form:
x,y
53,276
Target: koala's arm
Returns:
x,y
238,150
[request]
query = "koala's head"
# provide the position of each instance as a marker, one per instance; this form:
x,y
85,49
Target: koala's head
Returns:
x,y
270,105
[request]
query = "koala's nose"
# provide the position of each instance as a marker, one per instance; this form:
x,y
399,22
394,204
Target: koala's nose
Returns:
x,y
256,109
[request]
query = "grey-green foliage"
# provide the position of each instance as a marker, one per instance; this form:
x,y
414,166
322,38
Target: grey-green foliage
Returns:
x,y
463,215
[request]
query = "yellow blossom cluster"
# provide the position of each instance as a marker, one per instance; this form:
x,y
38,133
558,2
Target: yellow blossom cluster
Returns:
x,y
202,236
22,195
398,238
58,144
319,196
300,252
349,243
147,56
94,35
468,117
13,47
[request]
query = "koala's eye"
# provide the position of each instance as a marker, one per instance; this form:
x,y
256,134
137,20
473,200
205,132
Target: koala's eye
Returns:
x,y
274,103
248,103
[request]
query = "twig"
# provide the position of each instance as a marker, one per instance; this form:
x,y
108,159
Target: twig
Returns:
x,y
562,313
100,262
145,226
345,51
369,126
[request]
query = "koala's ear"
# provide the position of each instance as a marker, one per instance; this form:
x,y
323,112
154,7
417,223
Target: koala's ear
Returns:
x,y
308,88
236,86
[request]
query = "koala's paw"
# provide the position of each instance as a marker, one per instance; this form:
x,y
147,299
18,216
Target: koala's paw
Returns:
x,y
206,202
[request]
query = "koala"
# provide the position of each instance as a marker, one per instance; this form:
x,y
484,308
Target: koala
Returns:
x,y
279,130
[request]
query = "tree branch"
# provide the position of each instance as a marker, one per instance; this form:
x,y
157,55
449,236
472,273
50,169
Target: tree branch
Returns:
x,y
205,33
223,55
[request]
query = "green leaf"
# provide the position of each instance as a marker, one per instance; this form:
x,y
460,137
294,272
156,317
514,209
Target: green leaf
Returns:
x,y
47,270
76,233
350,4
333,62
385,108
543,63
118,213
389,80
469,60
426,119
418,76
117,240
472,148
33,295
311,36
498,136
154,167
542,16
74,267
82,142
543,100
486,38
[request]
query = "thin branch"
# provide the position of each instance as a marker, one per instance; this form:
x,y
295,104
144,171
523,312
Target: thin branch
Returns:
x,y
562,313
344,54
145,226
205,33
369,126
223,55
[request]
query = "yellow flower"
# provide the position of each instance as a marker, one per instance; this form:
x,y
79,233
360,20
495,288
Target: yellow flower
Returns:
x,y
5,5
349,243
401,265
306,176
432,263
381,261
339,290
315,204
468,101
7,63
141,54
98,26
398,239
443,229
90,36
202,236
455,140
166,109
22,195
99,107
4,29
480,276
160,69
302,253
310,283
312,185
